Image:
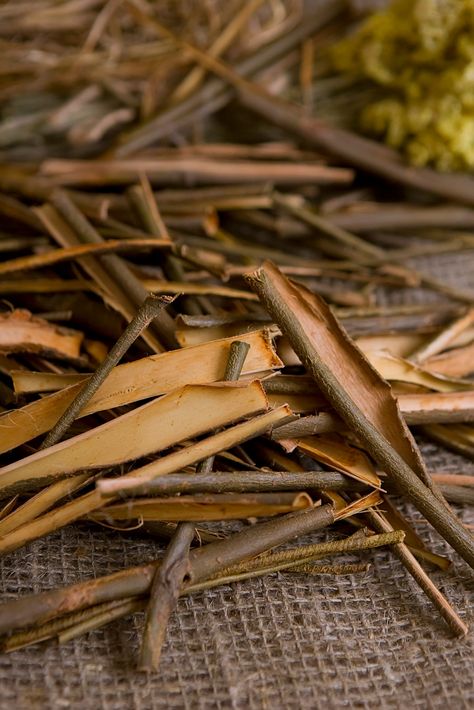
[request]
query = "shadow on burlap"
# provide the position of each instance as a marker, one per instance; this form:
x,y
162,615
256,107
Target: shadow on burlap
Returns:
x,y
284,641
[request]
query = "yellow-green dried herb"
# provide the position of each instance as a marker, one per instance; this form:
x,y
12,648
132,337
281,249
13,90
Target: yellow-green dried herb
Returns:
x,y
420,53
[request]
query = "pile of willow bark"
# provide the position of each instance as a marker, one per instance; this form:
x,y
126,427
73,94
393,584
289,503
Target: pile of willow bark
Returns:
x,y
196,265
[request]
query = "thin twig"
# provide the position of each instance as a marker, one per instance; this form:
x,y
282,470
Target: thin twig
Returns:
x,y
457,625
168,580
147,313
136,581
301,331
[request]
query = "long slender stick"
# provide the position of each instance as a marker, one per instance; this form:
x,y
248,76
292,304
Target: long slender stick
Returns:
x,y
449,526
360,249
246,481
204,562
169,577
162,325
147,313
76,623
262,481
463,495
457,625
442,340
354,543
53,628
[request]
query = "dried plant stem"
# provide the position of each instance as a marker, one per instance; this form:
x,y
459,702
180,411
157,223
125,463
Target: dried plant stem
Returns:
x,y
162,325
109,613
377,445
463,495
145,315
344,568
56,256
41,502
455,491
143,200
55,627
318,550
457,625
216,93
452,437
169,577
359,248
402,217
74,624
246,481
136,581
164,594
442,340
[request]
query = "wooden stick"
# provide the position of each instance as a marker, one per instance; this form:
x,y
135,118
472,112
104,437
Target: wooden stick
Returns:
x,y
245,481
162,325
136,581
145,315
169,577
55,256
463,495
457,625
266,282
442,340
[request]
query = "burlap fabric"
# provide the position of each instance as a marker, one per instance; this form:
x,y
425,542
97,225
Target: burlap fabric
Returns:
x,y
284,641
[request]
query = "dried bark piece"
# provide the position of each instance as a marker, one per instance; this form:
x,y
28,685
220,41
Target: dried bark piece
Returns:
x,y
358,394
163,422
219,506
397,369
458,362
341,456
22,332
177,460
141,379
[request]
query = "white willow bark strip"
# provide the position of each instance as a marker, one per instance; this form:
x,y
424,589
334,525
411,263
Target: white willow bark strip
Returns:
x,y
141,379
